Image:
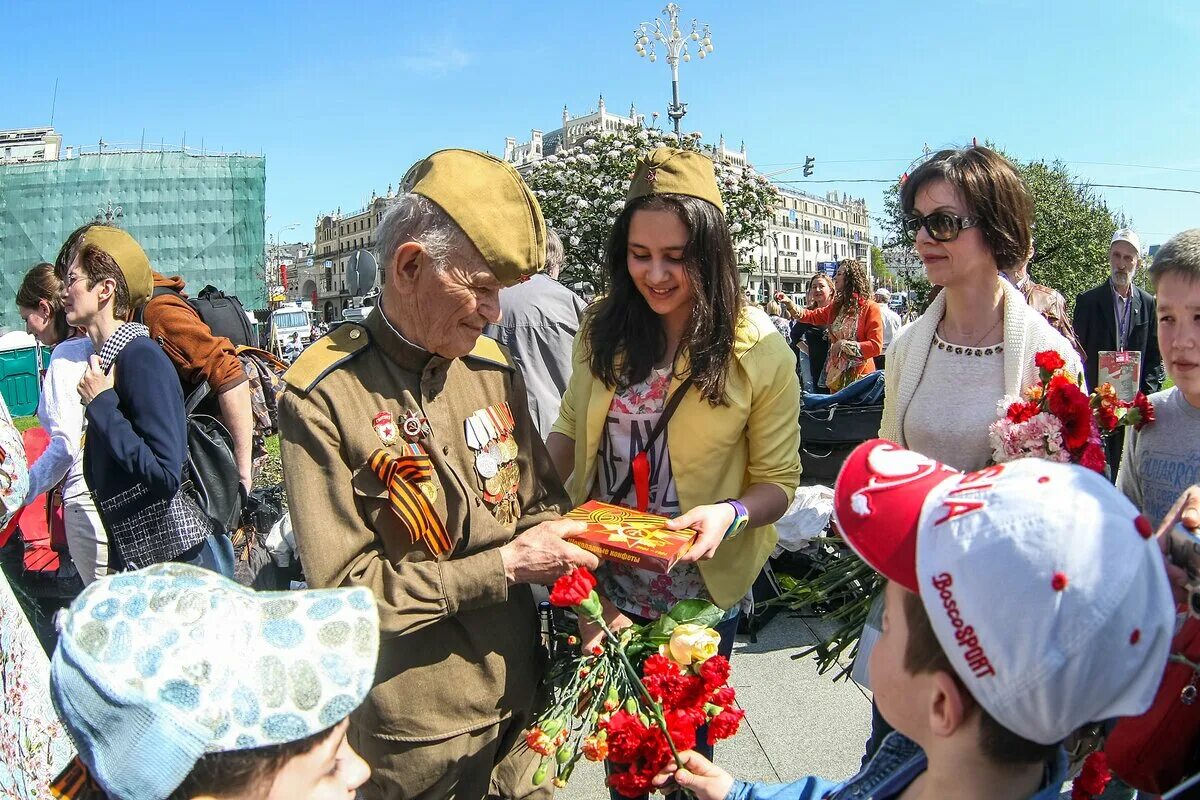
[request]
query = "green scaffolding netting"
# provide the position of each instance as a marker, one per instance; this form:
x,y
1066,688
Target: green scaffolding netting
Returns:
x,y
201,217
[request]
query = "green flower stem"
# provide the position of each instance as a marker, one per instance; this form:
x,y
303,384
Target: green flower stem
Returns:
x,y
613,646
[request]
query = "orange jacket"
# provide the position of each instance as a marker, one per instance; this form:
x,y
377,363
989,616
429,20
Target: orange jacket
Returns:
x,y
198,356
870,329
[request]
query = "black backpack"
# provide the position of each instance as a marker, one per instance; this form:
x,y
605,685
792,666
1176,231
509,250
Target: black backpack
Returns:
x,y
222,313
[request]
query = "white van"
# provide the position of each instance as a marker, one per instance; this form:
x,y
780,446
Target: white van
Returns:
x,y
286,321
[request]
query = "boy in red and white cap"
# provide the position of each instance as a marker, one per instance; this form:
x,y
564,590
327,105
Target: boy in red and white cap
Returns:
x,y
1023,601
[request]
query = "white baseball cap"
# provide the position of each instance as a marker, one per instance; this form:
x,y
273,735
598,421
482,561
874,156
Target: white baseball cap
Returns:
x,y
883,294
1042,582
1127,235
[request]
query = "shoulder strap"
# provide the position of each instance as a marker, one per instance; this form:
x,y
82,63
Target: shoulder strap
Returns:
x,y
672,403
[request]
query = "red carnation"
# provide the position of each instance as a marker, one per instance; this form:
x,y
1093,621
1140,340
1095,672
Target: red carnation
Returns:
x,y
573,588
715,672
625,735
1023,412
1049,360
631,784
723,696
1093,458
682,725
1093,778
1145,411
725,724
1106,418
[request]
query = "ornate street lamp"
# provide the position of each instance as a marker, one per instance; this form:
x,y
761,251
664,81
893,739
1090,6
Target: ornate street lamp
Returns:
x,y
647,35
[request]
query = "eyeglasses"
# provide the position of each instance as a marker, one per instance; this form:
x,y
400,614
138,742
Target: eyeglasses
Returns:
x,y
71,278
941,225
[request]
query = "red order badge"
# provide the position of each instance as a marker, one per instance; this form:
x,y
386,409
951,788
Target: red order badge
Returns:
x,y
385,427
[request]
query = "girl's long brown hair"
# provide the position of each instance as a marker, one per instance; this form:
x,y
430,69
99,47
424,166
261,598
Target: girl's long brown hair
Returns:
x,y
625,338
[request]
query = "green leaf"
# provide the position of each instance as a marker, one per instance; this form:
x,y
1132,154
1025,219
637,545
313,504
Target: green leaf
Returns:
x,y
696,612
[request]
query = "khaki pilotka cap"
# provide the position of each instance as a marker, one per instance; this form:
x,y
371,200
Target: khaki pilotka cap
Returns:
x,y
491,203
130,257
668,170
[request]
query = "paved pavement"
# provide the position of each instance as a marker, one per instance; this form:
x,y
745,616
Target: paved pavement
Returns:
x,y
797,722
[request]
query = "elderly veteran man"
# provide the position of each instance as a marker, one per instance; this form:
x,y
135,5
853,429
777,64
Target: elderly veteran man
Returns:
x,y
413,467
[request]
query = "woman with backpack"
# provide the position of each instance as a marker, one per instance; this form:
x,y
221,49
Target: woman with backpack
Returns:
x,y
40,303
136,445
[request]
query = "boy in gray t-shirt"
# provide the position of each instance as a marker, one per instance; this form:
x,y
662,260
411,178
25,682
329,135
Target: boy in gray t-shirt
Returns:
x,y
1163,459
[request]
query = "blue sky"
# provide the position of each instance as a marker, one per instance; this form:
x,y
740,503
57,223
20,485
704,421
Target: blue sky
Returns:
x,y
343,97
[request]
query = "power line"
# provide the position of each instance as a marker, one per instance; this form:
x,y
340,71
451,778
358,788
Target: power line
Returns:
x,y
1082,184
1134,166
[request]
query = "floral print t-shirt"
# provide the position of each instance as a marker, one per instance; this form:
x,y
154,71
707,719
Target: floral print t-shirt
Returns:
x,y
631,418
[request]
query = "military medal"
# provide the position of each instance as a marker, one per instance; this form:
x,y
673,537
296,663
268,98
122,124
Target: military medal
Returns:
x,y
385,428
414,427
486,465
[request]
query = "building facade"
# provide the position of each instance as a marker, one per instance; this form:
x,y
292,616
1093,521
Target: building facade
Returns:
x,y
320,276
198,215
804,229
804,232
21,145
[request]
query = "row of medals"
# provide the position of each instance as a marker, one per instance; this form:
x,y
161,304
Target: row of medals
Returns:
x,y
489,435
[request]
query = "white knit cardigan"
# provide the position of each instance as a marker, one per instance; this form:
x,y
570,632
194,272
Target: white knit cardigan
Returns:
x,y
1026,333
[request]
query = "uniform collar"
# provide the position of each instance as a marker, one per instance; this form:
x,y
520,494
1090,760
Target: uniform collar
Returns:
x,y
394,345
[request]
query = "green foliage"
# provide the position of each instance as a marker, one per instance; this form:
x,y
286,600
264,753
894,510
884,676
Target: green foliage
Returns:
x,y
1072,226
879,267
25,423
583,189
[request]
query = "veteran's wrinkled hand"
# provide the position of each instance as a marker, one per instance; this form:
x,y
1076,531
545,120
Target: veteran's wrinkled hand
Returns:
x,y
542,554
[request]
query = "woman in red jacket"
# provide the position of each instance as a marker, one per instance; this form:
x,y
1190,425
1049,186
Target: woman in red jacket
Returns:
x,y
855,326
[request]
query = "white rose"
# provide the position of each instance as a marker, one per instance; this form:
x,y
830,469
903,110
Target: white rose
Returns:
x,y
691,644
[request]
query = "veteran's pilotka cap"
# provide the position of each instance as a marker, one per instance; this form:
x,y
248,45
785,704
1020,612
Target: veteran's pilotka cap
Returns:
x,y
491,203
1043,584
668,170
158,667
130,258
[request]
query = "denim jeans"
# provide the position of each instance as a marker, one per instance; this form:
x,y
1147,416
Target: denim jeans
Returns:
x,y
214,553
804,370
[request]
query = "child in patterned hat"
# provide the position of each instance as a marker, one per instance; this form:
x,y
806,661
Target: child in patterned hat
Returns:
x,y
177,683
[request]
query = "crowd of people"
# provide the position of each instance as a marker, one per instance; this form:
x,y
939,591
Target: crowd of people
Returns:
x,y
428,469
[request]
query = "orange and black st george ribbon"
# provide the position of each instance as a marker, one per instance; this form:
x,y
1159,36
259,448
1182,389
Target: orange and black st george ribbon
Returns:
x,y
403,476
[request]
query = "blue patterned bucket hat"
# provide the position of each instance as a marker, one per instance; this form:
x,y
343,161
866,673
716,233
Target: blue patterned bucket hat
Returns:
x,y
158,667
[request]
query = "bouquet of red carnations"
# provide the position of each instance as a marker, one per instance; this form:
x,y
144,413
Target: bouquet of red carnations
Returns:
x,y
1054,419
639,698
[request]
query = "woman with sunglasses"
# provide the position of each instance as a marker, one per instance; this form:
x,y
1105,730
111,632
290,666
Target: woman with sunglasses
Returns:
x,y
969,216
855,326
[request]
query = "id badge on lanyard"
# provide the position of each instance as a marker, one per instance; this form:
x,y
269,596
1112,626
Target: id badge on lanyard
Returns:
x,y
1121,368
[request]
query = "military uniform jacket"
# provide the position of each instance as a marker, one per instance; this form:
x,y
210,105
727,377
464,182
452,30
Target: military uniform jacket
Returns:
x,y
459,647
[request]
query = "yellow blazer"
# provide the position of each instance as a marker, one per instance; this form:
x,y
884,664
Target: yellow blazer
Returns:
x,y
716,451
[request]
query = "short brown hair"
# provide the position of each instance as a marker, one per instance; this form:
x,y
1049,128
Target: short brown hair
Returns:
x,y
924,654
97,266
42,283
993,192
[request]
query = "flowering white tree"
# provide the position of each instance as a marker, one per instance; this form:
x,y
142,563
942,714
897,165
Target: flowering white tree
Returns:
x,y
583,189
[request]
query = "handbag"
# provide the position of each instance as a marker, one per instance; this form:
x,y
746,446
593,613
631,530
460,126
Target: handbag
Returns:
x,y
639,469
211,466
1156,751
157,531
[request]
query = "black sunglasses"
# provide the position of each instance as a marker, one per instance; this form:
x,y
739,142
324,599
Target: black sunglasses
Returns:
x,y
941,225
